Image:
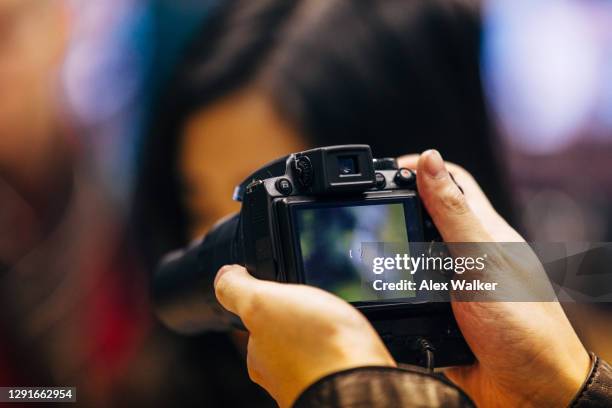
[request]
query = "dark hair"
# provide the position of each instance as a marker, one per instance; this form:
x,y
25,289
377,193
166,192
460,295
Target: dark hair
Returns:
x,y
400,75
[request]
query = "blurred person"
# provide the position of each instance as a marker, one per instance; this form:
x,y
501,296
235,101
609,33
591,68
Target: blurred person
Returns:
x,y
72,301
266,78
262,79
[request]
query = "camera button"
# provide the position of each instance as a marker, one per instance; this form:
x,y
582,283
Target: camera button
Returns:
x,y
381,182
284,186
405,178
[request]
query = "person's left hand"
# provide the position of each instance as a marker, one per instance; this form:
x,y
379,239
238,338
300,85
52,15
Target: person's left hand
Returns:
x,y
298,333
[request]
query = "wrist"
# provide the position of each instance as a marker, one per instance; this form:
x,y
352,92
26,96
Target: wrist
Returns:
x,y
577,375
565,380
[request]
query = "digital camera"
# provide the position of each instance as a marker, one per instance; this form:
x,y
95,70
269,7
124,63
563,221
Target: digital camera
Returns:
x,y
319,217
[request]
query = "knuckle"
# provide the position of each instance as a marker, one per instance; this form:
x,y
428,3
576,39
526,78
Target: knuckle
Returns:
x,y
349,318
453,200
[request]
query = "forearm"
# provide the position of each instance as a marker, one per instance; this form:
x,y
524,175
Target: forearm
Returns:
x,y
389,386
382,387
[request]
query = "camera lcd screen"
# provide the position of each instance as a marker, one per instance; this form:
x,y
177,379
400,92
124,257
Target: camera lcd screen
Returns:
x,y
338,243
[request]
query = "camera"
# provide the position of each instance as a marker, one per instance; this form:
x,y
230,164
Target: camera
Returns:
x,y
319,217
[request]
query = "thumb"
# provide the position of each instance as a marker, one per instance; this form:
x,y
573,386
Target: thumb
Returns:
x,y
234,287
445,202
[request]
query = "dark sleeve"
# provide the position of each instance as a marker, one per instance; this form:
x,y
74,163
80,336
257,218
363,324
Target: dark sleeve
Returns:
x,y
378,387
597,389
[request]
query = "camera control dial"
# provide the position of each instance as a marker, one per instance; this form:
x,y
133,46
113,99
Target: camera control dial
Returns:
x,y
405,178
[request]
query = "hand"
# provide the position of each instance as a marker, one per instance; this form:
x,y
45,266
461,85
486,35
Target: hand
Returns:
x,y
527,352
298,333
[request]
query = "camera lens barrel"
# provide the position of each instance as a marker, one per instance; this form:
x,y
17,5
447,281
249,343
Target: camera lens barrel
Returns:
x,y
183,286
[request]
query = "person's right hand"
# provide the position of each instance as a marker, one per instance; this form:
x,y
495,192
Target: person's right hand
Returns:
x,y
527,352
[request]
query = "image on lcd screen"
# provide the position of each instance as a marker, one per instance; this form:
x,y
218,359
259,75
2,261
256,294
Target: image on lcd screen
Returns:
x,y
339,243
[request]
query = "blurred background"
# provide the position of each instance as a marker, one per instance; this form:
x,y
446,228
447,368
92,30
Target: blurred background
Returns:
x,y
94,94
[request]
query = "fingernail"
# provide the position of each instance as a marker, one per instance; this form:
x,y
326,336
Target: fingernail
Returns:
x,y
434,165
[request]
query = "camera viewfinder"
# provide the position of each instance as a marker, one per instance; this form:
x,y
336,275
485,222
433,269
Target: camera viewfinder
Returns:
x,y
348,165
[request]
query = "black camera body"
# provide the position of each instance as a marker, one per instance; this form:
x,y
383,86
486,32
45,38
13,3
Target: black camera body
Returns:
x,y
318,217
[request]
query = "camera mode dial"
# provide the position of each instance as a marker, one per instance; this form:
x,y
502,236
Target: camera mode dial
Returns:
x,y
303,170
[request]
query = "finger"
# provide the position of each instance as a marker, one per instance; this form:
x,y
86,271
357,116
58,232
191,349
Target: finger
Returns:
x,y
234,288
446,203
249,298
476,199
473,192
408,161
